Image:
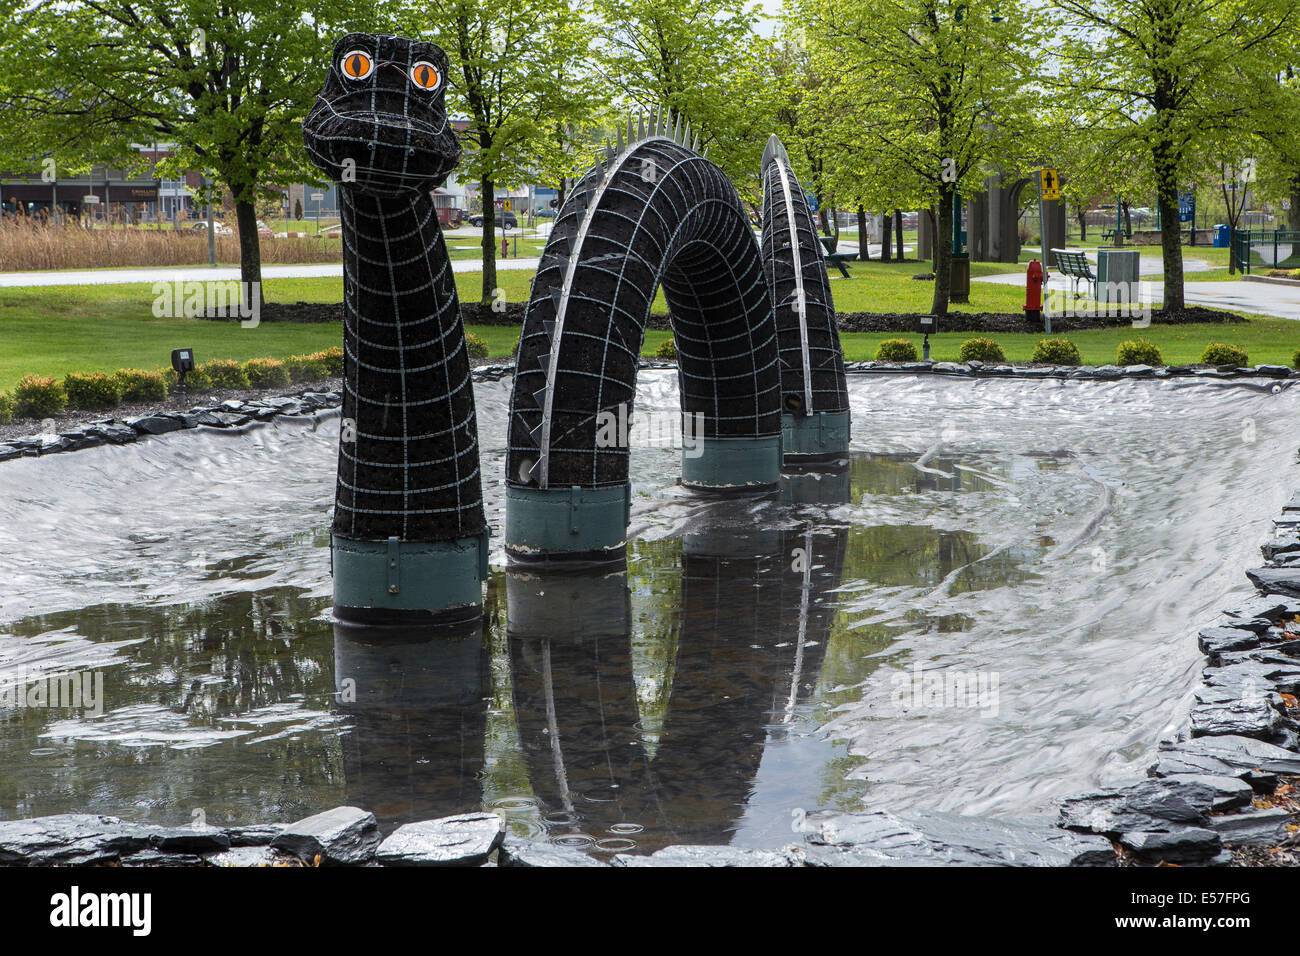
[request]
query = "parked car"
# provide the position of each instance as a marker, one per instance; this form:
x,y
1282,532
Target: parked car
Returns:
x,y
507,219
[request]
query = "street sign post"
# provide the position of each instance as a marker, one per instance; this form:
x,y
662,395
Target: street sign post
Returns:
x,y
1049,190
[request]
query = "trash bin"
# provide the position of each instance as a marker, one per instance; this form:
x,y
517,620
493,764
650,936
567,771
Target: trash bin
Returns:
x,y
959,290
1221,236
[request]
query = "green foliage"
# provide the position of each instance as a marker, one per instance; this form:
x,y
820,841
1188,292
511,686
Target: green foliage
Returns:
x,y
981,349
87,390
219,373
1295,360
666,349
140,386
38,396
475,346
6,408
1138,352
266,373
332,358
306,368
1221,353
1057,352
896,350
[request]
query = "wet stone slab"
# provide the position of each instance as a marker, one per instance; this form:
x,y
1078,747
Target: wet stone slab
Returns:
x,y
342,836
467,839
67,839
711,856
517,852
1267,827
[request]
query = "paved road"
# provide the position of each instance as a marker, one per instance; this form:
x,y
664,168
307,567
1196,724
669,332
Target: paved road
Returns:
x,y
221,273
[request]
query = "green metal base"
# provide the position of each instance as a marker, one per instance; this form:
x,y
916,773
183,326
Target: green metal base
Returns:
x,y
542,524
821,435
393,581
733,464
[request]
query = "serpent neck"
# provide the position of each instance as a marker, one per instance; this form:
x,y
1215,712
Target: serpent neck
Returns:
x,y
412,469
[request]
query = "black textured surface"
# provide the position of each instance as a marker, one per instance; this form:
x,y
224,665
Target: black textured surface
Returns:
x,y
412,470
667,217
829,391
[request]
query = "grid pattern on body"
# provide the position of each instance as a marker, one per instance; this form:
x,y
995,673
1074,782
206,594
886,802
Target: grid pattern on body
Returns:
x,y
408,450
791,267
656,215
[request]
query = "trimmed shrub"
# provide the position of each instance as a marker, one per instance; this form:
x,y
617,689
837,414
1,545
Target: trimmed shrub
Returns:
x,y
981,349
266,373
1295,360
39,396
666,350
1220,353
1057,352
332,357
88,390
1138,352
896,350
475,346
6,408
306,368
140,386
220,373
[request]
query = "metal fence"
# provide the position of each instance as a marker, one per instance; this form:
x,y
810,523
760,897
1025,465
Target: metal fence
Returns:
x,y
1274,249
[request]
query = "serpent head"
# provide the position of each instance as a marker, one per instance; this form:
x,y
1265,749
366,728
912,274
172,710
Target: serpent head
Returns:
x,y
379,124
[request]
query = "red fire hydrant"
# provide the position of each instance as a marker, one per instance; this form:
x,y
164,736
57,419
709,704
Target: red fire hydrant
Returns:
x,y
505,246
1035,279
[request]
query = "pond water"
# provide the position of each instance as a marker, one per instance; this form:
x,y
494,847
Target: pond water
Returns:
x,y
994,605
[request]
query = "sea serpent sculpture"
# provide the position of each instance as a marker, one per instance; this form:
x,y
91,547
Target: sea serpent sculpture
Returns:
x,y
759,362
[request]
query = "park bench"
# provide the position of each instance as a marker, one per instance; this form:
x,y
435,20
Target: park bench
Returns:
x,y
1073,263
836,258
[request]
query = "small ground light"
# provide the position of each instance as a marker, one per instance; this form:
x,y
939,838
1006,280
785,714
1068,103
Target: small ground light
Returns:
x,y
926,324
182,362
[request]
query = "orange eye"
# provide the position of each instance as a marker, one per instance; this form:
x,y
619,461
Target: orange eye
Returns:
x,y
425,75
357,65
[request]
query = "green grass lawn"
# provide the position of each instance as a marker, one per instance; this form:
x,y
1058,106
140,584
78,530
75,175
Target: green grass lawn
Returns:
x,y
57,329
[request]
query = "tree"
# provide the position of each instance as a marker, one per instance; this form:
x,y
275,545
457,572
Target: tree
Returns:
x,y
225,87
931,93
1168,78
520,72
701,59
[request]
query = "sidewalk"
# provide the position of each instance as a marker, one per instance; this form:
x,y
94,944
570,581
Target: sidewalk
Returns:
x,y
220,274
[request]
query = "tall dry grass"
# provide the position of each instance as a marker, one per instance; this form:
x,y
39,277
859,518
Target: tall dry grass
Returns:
x,y
27,244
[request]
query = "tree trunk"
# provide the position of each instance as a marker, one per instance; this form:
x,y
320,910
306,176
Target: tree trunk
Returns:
x,y
1128,221
864,252
821,217
898,230
934,232
487,190
885,232
943,253
1293,215
250,255
1171,241
1083,225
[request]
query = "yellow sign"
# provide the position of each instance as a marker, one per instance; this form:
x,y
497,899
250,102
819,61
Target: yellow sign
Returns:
x,y
1051,184
505,204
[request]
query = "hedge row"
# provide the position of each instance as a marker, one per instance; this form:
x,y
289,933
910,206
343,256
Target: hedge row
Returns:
x,y
38,396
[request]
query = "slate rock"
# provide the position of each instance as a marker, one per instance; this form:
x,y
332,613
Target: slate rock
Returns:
x,y
1139,371
1252,677
1108,372
114,433
70,838
161,858
344,835
467,839
189,840
937,839
517,852
8,451
1276,580
1271,609
244,856
1279,546
1220,711
951,368
258,835
713,856
1266,827
1229,791
1213,641
1156,804
155,424
1243,754
1273,371
1180,843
